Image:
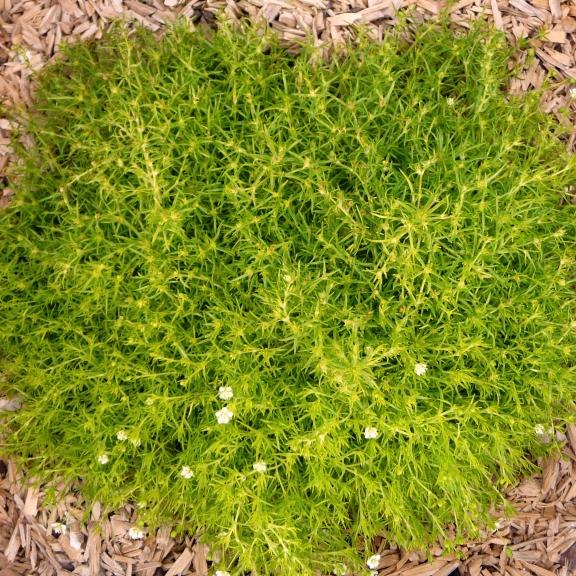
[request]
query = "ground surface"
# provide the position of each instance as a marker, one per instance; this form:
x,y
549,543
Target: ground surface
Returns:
x,y
540,540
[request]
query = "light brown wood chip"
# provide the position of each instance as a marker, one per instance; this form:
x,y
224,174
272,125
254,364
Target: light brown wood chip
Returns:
x,y
182,563
199,561
497,15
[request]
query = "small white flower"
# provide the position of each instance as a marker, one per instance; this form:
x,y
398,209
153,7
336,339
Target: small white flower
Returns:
x,y
373,572
221,573
260,466
545,435
58,528
224,415
121,435
572,93
373,562
225,393
135,533
149,401
450,101
103,459
420,369
340,570
186,472
370,433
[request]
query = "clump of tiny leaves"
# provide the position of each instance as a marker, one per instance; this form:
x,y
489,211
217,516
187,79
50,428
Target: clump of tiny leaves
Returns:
x,y
290,304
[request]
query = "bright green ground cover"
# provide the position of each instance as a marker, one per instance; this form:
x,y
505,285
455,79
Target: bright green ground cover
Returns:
x,y
288,303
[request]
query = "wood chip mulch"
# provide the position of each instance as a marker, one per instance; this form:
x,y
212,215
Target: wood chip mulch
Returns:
x,y
539,541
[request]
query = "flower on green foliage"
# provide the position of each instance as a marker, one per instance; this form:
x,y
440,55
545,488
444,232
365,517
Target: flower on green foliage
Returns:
x,y
260,466
186,472
225,393
370,433
224,415
420,369
373,562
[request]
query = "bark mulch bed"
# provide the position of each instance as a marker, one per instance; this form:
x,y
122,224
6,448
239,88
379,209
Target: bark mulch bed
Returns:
x,y
540,540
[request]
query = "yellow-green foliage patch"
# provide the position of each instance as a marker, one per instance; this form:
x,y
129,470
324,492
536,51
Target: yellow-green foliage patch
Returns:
x,y
288,303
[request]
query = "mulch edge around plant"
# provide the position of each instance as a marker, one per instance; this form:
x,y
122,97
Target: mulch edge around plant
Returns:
x,y
540,540
37,537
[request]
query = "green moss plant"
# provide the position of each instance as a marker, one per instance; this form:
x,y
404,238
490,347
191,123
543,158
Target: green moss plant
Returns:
x,y
287,304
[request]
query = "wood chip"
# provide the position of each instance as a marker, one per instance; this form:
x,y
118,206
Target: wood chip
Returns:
x,y
530,10
555,9
538,570
182,563
497,15
426,569
11,551
31,502
199,561
93,549
556,36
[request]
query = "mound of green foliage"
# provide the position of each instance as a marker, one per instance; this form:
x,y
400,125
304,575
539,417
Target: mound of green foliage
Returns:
x,y
287,303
